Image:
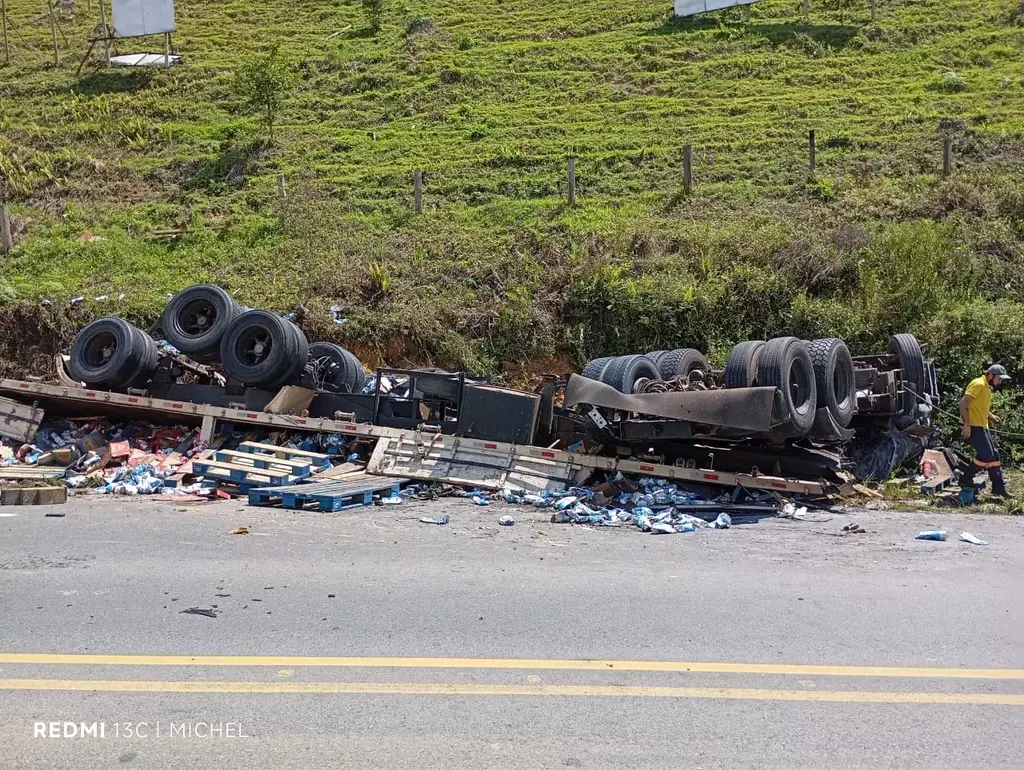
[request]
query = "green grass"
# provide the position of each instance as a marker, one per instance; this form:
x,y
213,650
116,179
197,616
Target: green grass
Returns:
x,y
489,99
908,497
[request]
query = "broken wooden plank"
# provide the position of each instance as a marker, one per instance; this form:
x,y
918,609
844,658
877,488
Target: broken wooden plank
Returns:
x,y
291,399
34,496
867,491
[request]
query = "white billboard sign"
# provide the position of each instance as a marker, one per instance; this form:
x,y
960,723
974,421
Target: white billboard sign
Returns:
x,y
691,7
134,18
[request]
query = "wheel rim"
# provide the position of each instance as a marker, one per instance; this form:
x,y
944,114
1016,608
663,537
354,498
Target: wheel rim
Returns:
x,y
841,386
254,346
329,366
100,350
198,317
800,387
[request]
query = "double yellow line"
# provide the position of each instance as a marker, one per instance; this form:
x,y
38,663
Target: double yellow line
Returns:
x,y
584,690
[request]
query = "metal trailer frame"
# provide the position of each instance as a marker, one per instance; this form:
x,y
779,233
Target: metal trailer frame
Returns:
x,y
554,463
436,390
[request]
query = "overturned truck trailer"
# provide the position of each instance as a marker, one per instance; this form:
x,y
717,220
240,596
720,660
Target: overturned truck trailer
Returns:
x,y
785,405
782,407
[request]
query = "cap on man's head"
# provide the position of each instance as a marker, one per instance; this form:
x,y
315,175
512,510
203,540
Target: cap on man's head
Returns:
x,y
999,370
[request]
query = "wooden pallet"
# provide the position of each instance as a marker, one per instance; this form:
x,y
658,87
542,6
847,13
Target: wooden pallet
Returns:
x,y
258,465
335,495
213,470
259,460
316,458
21,472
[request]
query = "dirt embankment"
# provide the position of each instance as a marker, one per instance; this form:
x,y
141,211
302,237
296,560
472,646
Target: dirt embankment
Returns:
x,y
32,335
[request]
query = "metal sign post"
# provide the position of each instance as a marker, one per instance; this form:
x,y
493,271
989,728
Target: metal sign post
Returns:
x,y
106,30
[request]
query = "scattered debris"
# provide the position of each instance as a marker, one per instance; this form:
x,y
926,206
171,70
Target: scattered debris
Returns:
x,y
99,456
854,529
967,537
931,534
657,506
441,520
239,531
506,521
199,611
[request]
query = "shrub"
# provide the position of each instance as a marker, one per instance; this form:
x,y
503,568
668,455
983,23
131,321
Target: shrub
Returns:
x,y
374,11
263,83
950,82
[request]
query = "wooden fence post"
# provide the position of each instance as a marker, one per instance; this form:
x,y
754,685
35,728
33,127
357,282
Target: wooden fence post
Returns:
x,y
417,192
873,4
282,191
572,181
3,21
947,155
806,10
6,241
688,168
811,151
53,34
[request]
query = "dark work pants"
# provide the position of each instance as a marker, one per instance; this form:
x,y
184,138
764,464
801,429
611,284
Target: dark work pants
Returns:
x,y
986,457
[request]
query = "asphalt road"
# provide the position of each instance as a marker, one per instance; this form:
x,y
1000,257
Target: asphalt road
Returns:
x,y
368,639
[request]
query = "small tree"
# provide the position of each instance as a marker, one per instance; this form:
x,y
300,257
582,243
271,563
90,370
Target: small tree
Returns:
x,y
374,10
262,83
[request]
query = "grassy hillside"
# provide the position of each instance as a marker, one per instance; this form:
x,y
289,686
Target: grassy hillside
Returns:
x,y
489,99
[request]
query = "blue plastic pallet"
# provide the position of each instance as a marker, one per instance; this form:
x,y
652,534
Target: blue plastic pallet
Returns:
x,y
242,488
327,495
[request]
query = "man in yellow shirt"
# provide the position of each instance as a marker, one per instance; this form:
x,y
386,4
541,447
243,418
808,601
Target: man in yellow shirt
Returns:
x,y
976,414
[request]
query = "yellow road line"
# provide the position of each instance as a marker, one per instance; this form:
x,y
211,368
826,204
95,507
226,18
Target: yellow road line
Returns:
x,y
415,688
289,661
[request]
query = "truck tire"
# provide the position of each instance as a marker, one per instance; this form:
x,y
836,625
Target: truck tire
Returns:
x,y
741,368
150,358
299,352
834,378
357,377
679,363
196,318
908,353
595,368
786,366
261,349
623,372
348,377
110,353
656,356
